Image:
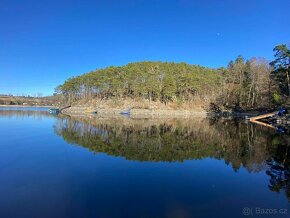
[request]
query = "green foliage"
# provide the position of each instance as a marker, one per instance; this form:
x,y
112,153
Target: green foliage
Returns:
x,y
281,66
282,55
277,98
244,84
149,80
169,87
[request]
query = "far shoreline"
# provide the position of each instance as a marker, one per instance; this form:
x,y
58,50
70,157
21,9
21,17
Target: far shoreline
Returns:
x,y
38,106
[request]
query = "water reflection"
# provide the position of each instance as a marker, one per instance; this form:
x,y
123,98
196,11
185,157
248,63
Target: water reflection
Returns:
x,y
37,162
22,113
240,145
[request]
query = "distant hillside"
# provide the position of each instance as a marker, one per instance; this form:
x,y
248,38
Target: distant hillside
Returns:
x,y
29,101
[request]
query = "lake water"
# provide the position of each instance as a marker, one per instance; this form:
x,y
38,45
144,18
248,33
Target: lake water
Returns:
x,y
57,166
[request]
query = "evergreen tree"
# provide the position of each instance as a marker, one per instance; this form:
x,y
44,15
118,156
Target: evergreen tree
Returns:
x,y
282,63
168,88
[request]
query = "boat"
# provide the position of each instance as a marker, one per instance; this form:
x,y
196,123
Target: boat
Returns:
x,y
53,110
126,113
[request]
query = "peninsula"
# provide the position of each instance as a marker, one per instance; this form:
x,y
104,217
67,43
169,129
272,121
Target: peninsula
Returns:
x,y
178,89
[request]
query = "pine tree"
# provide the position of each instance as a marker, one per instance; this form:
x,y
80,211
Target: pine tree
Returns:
x,y
169,88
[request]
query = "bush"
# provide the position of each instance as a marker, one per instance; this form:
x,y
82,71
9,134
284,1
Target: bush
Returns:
x,y
277,98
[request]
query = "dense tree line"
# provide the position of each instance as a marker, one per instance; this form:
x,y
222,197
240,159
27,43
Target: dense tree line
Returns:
x,y
248,84
243,84
150,80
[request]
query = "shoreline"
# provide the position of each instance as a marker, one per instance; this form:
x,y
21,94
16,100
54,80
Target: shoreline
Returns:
x,y
134,113
25,106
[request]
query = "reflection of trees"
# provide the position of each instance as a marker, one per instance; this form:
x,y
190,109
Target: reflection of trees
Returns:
x,y
23,113
136,141
239,144
278,166
252,147
170,140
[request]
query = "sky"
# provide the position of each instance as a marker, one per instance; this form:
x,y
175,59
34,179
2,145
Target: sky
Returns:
x,y
42,43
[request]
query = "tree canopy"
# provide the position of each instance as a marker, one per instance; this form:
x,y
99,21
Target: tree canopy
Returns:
x,y
149,80
282,64
243,84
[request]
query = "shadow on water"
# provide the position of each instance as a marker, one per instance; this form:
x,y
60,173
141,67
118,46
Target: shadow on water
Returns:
x,y
239,144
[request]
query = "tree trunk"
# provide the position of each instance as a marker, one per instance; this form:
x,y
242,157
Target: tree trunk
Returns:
x,y
269,93
253,99
288,81
249,96
149,93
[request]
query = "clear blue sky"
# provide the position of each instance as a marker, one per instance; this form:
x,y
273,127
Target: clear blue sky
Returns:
x,y
43,42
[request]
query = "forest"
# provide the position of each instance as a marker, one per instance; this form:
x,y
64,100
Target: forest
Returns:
x,y
242,85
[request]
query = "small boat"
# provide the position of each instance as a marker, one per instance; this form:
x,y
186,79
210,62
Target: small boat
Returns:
x,y
127,113
53,110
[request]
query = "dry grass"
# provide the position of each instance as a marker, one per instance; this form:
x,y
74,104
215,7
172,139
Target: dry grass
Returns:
x,y
196,105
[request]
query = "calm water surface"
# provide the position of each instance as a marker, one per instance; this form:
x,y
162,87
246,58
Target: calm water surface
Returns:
x,y
94,167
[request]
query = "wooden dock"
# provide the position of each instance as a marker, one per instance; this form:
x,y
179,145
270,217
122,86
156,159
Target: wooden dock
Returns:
x,y
268,123
257,119
277,117
264,124
264,116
